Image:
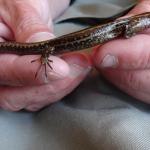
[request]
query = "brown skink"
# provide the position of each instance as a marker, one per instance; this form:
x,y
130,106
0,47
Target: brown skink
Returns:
x,y
86,38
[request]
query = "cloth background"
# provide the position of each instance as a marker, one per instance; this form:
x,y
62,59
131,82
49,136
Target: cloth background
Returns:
x,y
95,116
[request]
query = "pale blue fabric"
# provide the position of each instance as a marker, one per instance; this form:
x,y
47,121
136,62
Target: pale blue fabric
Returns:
x,y
96,116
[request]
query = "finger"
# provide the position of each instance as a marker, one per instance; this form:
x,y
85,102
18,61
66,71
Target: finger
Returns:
x,y
23,19
141,7
31,97
19,71
135,83
28,27
126,54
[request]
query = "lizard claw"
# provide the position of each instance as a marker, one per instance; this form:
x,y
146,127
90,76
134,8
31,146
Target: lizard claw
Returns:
x,y
43,61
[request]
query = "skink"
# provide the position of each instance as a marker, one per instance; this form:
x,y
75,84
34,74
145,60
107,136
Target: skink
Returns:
x,y
86,38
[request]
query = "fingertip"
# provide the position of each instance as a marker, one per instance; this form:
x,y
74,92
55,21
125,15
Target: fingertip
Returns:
x,y
60,69
40,36
120,53
82,59
80,64
102,61
26,71
125,54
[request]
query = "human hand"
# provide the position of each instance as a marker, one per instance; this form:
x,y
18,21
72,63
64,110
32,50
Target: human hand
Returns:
x,y
31,21
126,62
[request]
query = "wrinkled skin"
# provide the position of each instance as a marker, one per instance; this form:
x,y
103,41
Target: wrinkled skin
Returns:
x,y
126,62
31,21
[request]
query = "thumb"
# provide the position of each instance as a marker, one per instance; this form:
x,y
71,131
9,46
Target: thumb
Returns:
x,y
28,25
124,54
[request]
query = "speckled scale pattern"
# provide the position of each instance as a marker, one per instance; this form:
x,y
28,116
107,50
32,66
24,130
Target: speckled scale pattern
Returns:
x,y
96,35
82,39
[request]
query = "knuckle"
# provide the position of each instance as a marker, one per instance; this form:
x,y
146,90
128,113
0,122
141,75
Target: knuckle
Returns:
x,y
7,105
33,108
132,82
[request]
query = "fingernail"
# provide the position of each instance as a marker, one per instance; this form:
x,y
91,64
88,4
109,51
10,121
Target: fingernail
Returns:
x,y
40,36
109,61
79,65
77,70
